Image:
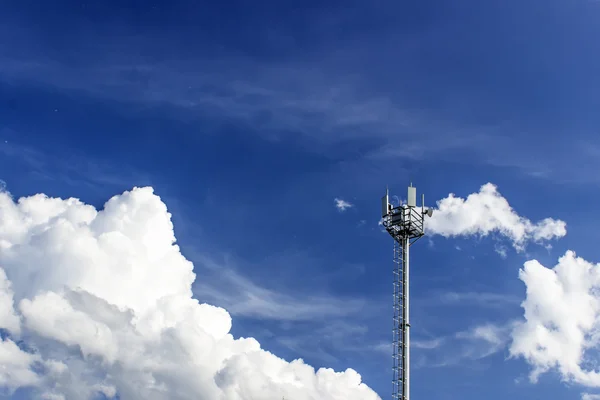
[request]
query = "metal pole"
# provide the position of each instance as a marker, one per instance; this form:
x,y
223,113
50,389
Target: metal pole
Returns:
x,y
405,224
405,319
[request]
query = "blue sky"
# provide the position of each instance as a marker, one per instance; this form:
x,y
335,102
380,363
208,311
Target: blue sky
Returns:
x,y
250,118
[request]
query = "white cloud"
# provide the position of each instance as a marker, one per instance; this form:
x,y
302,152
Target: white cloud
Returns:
x,y
487,212
561,328
16,366
113,287
342,205
9,319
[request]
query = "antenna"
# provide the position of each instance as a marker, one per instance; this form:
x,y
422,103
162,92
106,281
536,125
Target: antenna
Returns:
x,y
405,224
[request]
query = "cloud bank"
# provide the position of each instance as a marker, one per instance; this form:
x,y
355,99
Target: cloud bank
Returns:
x,y
103,302
486,212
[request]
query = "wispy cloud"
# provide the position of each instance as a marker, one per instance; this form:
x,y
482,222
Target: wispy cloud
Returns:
x,y
427,344
476,343
480,299
342,205
501,250
275,101
326,104
280,101
318,326
473,344
293,98
70,166
222,285
329,341
588,396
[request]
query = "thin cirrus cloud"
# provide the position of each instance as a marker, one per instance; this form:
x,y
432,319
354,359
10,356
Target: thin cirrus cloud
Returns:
x,y
272,100
277,100
480,299
307,101
476,343
74,168
113,284
329,342
241,296
588,396
316,100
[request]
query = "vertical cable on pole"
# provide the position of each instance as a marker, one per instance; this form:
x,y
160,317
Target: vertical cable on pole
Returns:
x,y
405,319
397,339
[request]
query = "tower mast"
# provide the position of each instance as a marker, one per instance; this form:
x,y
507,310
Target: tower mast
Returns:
x,y
405,223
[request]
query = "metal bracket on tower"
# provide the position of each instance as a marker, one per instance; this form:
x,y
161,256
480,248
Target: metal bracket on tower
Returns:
x,y
405,223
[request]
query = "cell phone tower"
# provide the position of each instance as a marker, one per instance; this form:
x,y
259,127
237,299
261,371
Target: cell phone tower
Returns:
x,y
405,223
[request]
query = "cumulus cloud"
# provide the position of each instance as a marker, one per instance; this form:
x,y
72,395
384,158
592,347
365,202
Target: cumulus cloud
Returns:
x,y
486,212
341,204
561,328
16,366
103,301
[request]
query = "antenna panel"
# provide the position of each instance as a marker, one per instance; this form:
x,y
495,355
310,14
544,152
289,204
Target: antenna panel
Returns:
x,y
385,201
412,196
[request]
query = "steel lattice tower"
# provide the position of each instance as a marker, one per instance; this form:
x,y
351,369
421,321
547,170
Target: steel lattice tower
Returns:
x,y
405,223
